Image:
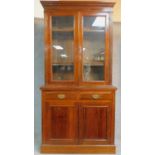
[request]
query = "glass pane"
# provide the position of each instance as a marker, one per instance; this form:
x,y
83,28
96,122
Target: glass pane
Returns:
x,y
93,48
63,47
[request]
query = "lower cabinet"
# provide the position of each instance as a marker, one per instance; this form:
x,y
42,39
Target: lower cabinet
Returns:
x,y
69,122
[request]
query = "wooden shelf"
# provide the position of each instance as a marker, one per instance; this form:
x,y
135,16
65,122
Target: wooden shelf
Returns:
x,y
71,30
94,64
62,29
85,64
63,64
92,30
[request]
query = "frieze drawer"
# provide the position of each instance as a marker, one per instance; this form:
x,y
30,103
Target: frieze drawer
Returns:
x,y
96,96
60,96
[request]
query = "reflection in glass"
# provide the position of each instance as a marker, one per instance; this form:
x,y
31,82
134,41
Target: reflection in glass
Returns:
x,y
63,46
93,48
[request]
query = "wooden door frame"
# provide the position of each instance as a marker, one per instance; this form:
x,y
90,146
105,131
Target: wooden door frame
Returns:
x,y
48,50
108,50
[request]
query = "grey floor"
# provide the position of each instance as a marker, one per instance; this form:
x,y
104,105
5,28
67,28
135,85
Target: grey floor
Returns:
x,y
39,81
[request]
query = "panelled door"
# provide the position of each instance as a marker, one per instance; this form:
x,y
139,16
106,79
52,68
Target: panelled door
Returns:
x,y
61,121
94,122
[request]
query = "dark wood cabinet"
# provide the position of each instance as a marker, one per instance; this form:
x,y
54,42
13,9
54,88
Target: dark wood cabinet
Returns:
x,y
78,99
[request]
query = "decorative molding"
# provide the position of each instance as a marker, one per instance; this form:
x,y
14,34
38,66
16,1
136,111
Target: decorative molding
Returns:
x,y
110,149
85,3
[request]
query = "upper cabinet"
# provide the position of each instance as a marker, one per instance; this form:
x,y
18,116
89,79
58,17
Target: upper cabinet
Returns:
x,y
78,47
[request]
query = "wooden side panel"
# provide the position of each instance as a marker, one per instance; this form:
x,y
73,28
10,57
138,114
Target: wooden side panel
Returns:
x,y
94,123
61,120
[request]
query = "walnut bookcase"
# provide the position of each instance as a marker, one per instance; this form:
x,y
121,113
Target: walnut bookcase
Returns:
x,y
78,99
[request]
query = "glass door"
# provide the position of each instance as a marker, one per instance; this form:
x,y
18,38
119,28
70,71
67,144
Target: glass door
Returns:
x,y
63,48
94,48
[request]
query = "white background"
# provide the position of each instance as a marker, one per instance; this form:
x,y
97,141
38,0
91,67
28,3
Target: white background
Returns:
x,y
17,77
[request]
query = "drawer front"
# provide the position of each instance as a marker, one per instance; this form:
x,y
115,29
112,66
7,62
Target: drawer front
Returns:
x,y
96,95
60,96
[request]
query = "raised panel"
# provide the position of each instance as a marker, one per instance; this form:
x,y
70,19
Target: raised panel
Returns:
x,y
62,123
97,129
94,123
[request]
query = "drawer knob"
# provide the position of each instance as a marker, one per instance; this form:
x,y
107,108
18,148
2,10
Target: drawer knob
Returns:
x,y
95,96
61,96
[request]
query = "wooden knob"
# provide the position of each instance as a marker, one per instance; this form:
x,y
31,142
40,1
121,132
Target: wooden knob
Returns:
x,y
61,96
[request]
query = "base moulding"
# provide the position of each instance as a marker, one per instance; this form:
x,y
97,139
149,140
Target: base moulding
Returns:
x,y
109,149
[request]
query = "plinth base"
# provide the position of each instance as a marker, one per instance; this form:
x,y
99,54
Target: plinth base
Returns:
x,y
107,149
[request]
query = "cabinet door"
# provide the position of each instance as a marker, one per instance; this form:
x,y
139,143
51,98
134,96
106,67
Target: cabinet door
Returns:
x,y
63,48
95,42
95,123
61,122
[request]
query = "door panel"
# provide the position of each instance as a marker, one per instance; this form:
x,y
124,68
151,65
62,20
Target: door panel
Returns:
x,y
95,51
62,33
94,123
62,123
